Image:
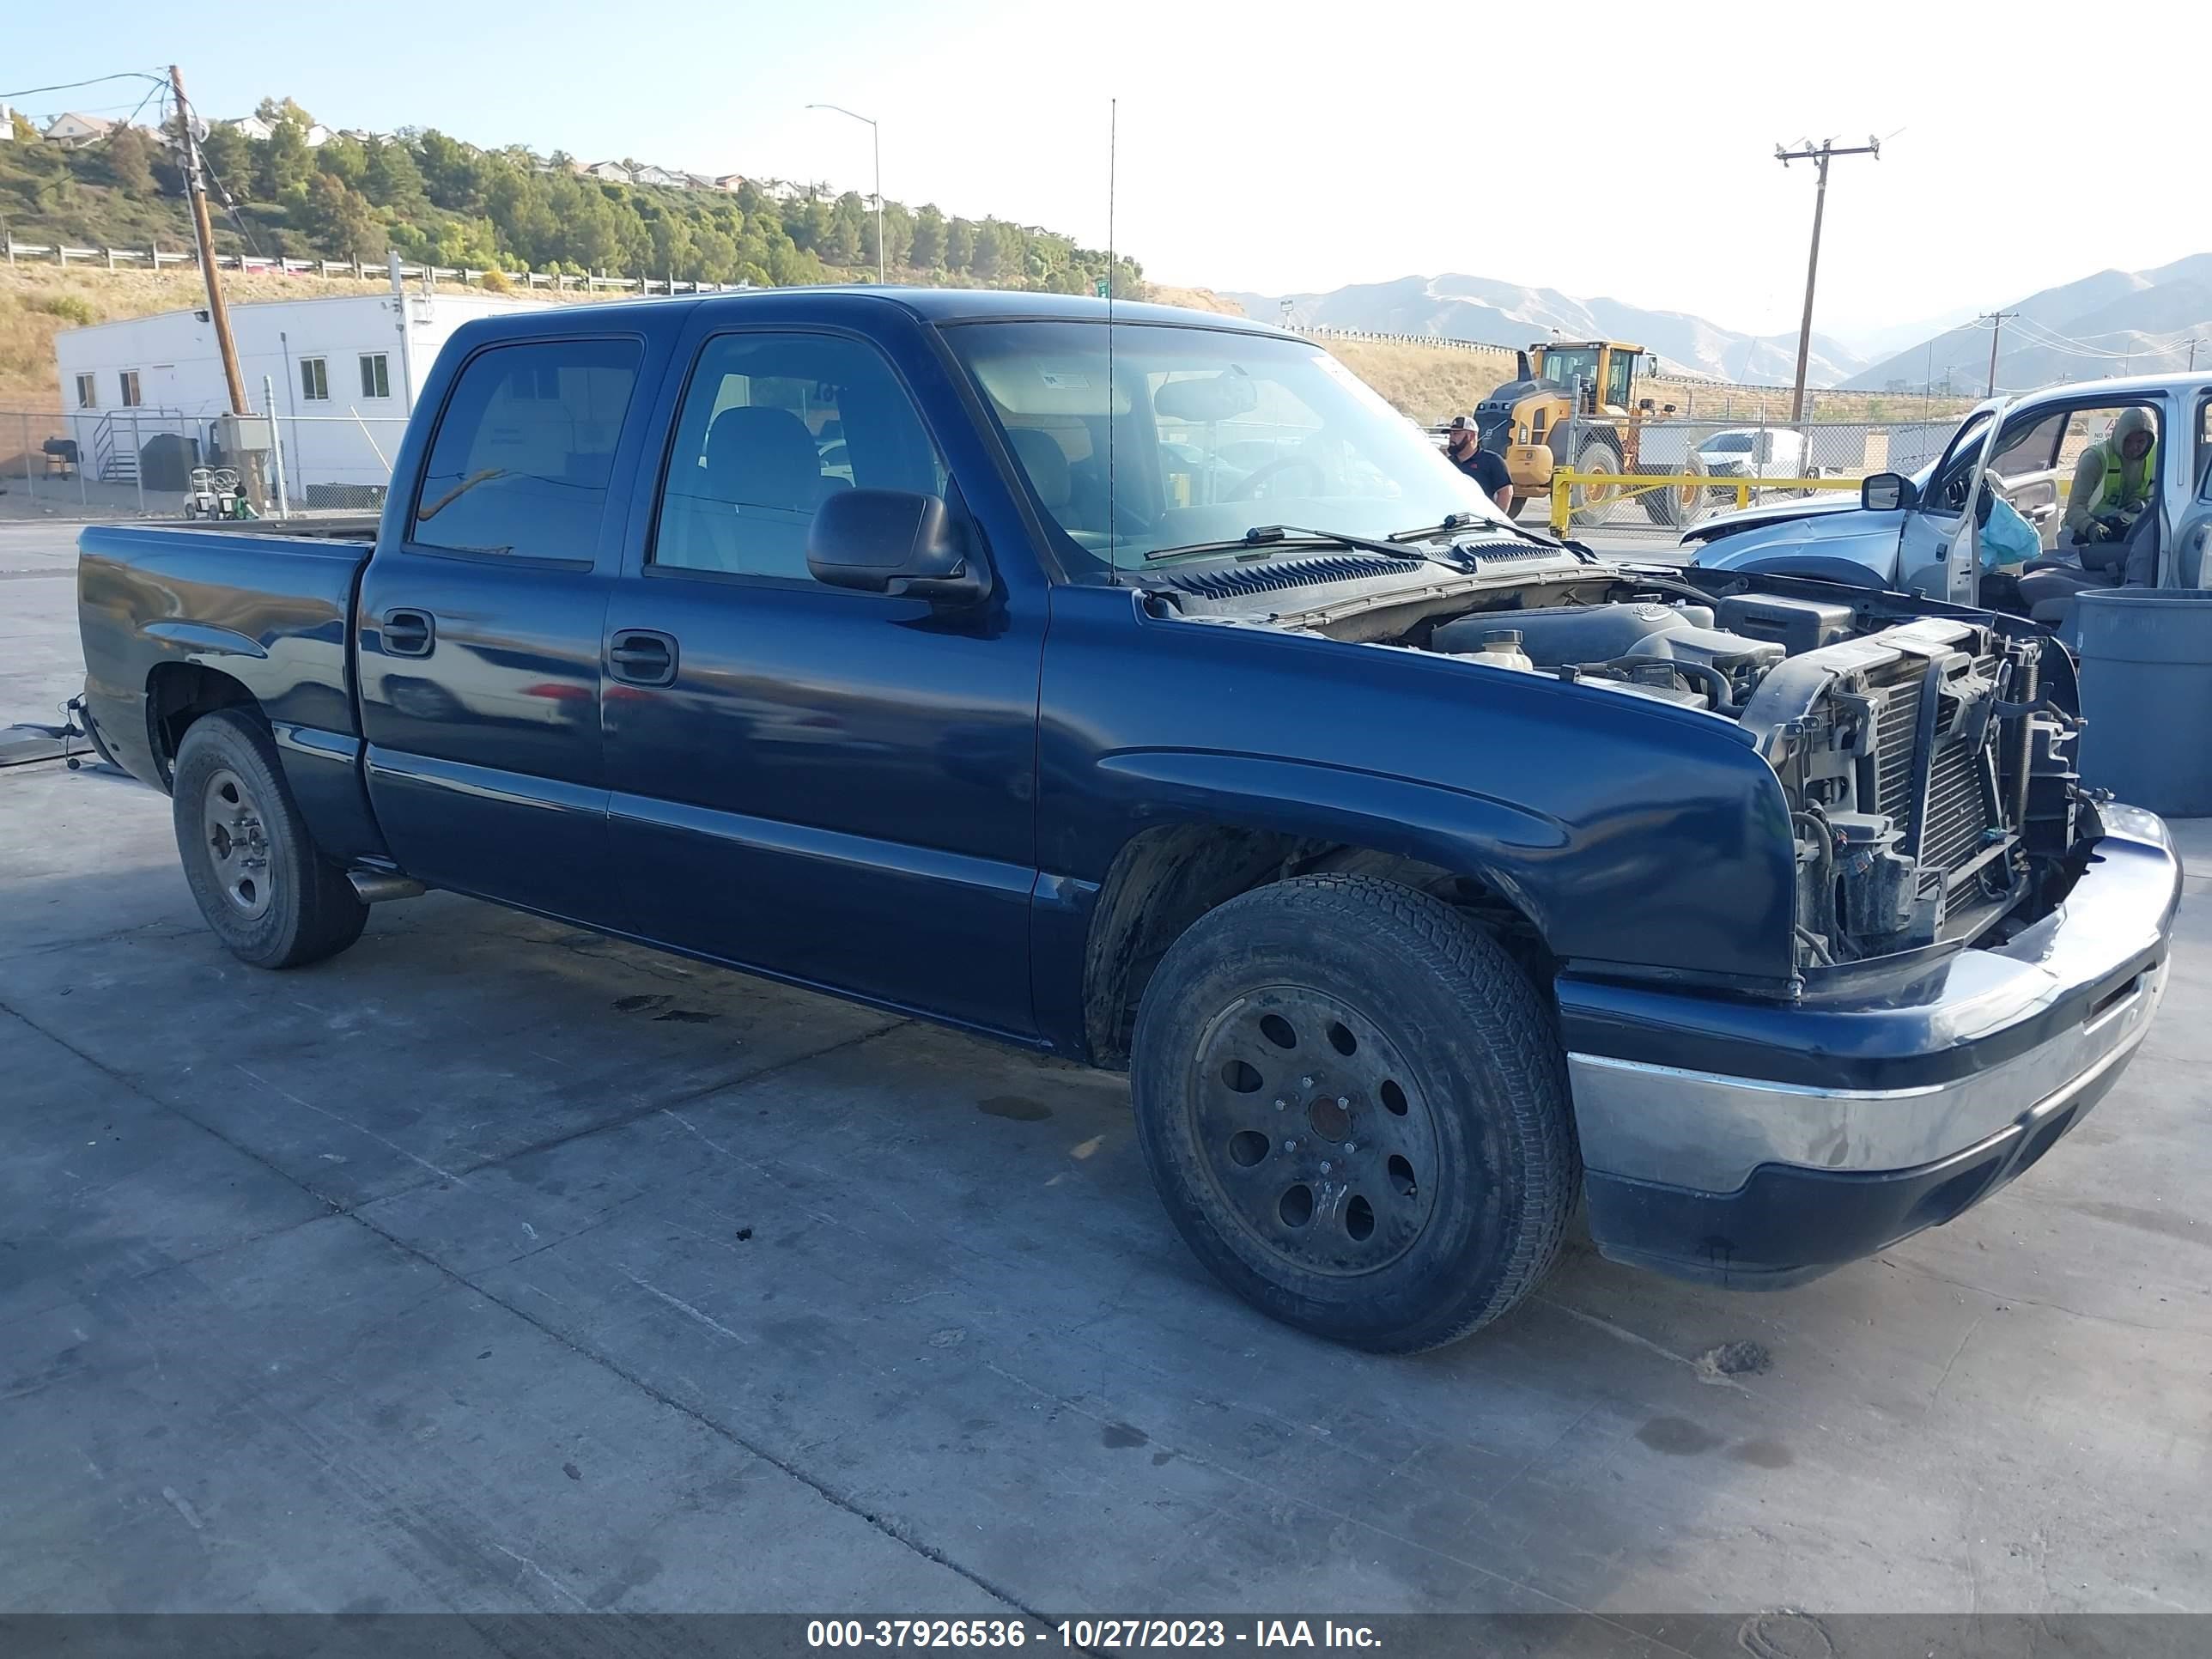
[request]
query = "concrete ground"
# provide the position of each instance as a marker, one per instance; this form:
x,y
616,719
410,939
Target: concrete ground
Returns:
x,y
493,1266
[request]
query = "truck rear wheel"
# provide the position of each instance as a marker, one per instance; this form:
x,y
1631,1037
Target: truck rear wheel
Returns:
x,y
1354,1107
265,889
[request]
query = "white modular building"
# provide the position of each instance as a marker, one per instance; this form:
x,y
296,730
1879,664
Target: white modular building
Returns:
x,y
141,396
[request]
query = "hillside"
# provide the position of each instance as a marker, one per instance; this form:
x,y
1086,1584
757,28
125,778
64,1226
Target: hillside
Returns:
x,y
2115,322
1464,307
437,200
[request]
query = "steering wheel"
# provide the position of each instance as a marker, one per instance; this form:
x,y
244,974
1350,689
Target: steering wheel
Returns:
x,y
223,478
1248,487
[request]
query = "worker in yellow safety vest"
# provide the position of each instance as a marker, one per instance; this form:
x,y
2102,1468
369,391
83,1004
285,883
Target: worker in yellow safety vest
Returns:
x,y
2113,482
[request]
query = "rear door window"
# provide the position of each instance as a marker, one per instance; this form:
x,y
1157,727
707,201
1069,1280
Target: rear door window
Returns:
x,y
523,454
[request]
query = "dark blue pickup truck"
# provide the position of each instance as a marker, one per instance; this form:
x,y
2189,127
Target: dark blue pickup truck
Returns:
x,y
1146,692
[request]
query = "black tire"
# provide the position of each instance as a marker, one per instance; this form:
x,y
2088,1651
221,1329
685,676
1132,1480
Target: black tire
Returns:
x,y
1452,1061
1594,506
1681,506
265,889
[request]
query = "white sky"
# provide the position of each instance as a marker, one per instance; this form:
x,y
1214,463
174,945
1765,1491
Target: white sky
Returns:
x,y
1303,146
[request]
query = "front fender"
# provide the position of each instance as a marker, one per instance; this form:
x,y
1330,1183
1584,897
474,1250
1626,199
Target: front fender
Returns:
x,y
1637,838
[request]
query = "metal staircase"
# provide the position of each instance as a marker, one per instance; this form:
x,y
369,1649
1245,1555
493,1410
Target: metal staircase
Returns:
x,y
114,457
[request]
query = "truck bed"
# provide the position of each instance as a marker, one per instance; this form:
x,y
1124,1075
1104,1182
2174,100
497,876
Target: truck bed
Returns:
x,y
267,607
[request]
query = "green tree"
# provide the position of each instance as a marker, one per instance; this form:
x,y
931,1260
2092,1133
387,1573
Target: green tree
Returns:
x,y
394,181
345,160
282,163
469,243
338,217
960,244
229,156
19,125
926,253
843,245
714,255
273,110
451,172
673,251
130,160
998,251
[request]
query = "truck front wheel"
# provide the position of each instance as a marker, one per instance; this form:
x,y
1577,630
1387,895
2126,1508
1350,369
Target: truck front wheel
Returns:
x,y
263,889
1353,1104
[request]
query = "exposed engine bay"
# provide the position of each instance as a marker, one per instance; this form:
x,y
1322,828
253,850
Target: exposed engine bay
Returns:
x,y
1928,776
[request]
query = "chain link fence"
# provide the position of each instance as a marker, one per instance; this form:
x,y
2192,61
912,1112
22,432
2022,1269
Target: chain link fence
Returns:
x,y
141,462
1723,466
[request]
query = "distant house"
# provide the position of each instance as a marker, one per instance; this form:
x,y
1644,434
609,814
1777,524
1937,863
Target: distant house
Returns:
x,y
7,124
729,181
782,189
660,176
74,131
249,126
317,135
608,173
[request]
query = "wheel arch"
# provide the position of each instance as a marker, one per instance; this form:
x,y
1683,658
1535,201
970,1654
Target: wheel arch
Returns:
x,y
178,693
1166,876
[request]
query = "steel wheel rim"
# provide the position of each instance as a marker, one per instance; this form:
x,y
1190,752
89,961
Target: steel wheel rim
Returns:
x,y
1325,1157
238,844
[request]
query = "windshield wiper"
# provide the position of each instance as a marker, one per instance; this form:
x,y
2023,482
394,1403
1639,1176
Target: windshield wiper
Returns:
x,y
1448,522
1263,538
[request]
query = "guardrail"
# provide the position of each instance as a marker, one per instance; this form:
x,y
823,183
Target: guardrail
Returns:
x,y
121,258
1621,486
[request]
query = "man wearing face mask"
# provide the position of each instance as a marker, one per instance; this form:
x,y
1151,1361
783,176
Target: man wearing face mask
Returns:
x,y
2113,484
1463,445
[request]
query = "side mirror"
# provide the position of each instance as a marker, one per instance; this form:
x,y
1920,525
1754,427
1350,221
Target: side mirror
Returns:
x,y
893,541
1888,492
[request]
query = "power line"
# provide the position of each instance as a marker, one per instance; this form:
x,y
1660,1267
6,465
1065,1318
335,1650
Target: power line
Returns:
x,y
71,86
1820,155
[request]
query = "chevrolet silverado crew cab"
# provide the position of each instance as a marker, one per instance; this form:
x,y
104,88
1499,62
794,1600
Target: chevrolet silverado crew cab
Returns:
x,y
1145,691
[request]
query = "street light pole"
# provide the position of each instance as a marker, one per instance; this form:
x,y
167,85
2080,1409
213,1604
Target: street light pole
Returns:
x,y
876,139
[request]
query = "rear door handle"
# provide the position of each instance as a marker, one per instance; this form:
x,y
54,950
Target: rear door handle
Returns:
x,y
639,656
409,633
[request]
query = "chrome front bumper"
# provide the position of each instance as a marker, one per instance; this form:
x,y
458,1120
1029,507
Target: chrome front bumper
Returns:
x,y
1816,1133
1704,1130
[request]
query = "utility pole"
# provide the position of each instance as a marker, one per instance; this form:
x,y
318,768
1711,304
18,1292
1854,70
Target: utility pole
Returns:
x,y
1997,320
2192,354
1821,156
203,233
218,313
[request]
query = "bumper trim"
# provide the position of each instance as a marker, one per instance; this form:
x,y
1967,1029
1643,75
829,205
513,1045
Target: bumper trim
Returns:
x,y
1707,1132
1787,1225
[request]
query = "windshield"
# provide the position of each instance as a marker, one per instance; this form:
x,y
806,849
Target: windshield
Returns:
x,y
1565,365
1727,443
1210,434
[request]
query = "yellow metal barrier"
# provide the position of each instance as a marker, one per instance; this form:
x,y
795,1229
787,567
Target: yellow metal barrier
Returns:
x,y
1638,483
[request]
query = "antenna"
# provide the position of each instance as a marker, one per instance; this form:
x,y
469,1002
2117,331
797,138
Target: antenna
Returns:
x,y
1113,142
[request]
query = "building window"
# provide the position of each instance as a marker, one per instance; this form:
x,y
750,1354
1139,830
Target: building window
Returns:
x,y
315,379
375,379
129,377
86,397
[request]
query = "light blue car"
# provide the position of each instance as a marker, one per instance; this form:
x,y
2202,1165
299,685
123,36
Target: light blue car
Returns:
x,y
1911,534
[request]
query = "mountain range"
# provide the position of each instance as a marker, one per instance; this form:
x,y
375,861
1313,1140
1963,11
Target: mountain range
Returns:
x,y
1464,307
2115,322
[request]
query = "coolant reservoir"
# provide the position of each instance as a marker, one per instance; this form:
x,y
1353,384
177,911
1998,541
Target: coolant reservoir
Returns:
x,y
1501,649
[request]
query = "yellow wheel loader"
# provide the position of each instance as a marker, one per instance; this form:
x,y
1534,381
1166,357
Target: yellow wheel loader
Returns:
x,y
1531,420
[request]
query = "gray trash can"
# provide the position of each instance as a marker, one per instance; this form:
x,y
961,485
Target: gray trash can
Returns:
x,y
2147,694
